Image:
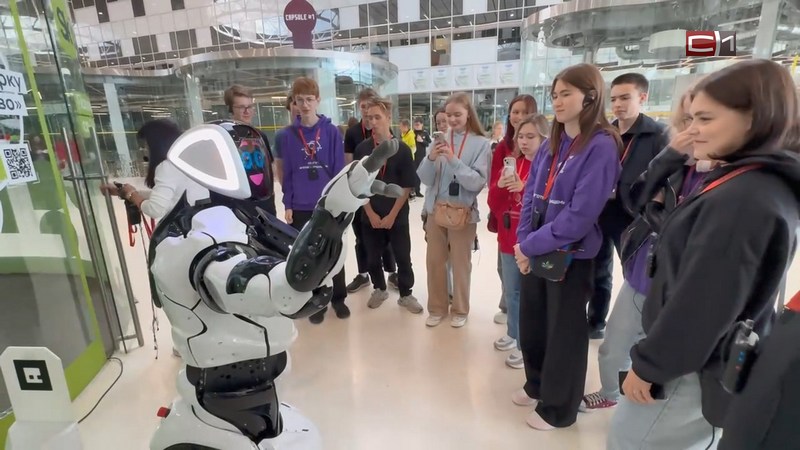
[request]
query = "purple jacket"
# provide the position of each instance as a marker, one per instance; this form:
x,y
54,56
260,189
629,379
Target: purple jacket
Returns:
x,y
306,175
580,193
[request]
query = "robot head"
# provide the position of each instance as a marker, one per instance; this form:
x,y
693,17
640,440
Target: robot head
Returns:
x,y
225,157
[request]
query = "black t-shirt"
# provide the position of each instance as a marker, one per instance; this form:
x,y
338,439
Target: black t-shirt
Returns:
x,y
354,136
399,170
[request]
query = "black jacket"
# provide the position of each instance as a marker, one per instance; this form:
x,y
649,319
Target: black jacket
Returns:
x,y
764,415
422,147
719,259
355,135
649,138
651,214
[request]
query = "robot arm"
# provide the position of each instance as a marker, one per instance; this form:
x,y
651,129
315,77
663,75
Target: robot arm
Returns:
x,y
233,278
317,252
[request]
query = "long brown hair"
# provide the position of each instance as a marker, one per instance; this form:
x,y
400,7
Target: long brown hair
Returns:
x,y
587,79
465,100
530,106
765,90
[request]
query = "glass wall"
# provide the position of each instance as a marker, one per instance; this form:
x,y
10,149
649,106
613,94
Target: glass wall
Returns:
x,y
61,277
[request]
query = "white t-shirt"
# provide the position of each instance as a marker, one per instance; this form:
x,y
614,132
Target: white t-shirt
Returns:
x,y
170,184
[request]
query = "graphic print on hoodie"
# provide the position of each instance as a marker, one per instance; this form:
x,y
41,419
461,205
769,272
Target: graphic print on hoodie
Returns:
x,y
309,166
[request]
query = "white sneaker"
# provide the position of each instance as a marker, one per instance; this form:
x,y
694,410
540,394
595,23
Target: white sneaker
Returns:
x,y
520,398
433,321
458,321
515,361
536,422
505,343
377,298
501,318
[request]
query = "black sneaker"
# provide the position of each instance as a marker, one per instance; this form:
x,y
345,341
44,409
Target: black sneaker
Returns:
x,y
318,317
392,280
342,311
419,195
358,283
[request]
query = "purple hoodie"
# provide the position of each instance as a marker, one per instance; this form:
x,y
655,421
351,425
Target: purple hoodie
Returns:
x,y
635,269
302,188
580,193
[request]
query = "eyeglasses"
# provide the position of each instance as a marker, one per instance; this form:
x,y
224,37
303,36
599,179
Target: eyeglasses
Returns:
x,y
304,100
248,108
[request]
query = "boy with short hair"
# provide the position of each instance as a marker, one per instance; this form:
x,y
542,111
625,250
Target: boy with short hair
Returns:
x,y
642,139
241,106
313,153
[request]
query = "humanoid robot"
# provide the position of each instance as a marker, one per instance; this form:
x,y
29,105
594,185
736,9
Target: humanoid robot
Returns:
x,y
231,278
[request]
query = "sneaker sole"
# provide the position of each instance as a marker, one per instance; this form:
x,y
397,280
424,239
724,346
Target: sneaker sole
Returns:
x,y
506,348
352,290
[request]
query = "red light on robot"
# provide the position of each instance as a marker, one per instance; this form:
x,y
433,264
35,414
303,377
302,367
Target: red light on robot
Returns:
x,y
163,412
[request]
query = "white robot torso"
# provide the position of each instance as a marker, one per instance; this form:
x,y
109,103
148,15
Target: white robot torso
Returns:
x,y
202,335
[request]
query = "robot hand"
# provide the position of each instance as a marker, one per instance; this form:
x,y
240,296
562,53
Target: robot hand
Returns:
x,y
317,252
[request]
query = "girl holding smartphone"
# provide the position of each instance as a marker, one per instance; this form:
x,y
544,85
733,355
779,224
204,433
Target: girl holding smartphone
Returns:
x,y
506,189
456,171
573,176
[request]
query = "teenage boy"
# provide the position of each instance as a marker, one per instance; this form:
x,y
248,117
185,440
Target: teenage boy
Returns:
x,y
385,220
293,113
642,140
312,155
241,106
423,140
355,135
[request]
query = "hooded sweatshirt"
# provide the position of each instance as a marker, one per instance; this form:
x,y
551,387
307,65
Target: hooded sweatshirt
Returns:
x,y
719,259
583,186
470,171
502,201
306,173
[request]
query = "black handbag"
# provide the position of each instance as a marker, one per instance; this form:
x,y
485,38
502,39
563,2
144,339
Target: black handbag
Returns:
x,y
551,266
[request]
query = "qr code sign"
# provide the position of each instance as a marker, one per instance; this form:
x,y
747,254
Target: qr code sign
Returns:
x,y
18,164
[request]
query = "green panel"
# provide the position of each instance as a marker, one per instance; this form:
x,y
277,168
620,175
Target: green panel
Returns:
x,y
82,371
41,265
5,424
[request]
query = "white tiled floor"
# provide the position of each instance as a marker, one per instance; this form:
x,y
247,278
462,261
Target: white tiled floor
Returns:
x,y
379,379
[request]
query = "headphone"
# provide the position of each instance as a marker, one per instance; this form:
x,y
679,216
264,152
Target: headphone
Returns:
x,y
589,98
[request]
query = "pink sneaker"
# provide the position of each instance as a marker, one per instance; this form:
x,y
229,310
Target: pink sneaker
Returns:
x,y
594,402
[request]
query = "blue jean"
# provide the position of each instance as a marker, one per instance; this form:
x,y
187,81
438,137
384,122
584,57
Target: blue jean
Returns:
x,y
624,330
512,278
502,304
674,423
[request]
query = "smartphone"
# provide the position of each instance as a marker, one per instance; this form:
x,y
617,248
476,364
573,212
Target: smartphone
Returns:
x,y
509,165
438,137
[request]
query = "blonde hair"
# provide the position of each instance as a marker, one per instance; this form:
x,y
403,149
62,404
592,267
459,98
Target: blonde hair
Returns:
x,y
676,120
384,103
537,120
465,100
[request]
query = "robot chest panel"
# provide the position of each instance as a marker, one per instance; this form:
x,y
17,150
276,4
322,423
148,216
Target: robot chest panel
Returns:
x,y
230,338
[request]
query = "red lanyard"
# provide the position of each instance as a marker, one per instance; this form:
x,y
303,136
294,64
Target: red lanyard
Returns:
x,y
551,177
311,151
452,143
383,170
727,177
521,169
627,150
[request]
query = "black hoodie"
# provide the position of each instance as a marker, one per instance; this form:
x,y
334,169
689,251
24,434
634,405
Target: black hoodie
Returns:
x,y
719,259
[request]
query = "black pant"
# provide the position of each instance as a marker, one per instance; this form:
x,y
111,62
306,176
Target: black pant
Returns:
x,y
399,239
362,258
299,219
419,156
604,279
554,339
